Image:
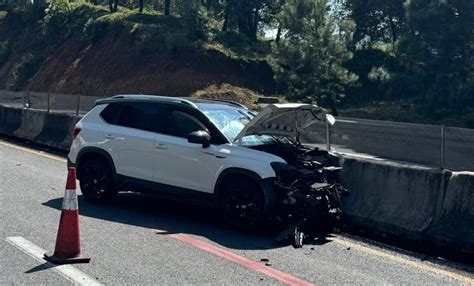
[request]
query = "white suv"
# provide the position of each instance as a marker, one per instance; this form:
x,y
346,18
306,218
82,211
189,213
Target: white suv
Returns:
x,y
209,151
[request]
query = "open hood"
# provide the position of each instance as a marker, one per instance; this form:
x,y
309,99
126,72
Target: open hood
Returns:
x,y
288,119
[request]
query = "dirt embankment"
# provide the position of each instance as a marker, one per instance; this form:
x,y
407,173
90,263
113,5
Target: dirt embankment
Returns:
x,y
115,65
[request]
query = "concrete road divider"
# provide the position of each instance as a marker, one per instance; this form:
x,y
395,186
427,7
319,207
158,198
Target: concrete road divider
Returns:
x,y
10,119
392,198
57,130
454,228
32,122
431,207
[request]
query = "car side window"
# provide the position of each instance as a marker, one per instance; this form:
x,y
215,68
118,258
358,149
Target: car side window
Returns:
x,y
141,115
180,124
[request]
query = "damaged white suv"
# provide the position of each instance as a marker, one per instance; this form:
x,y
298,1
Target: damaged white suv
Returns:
x,y
207,151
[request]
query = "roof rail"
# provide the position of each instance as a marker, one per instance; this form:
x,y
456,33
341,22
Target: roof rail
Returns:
x,y
155,97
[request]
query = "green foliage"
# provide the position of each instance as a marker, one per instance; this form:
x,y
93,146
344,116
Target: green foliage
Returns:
x,y
240,46
57,12
437,52
377,20
309,59
64,19
153,32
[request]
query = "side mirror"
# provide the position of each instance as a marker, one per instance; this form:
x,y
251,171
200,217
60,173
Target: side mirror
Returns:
x,y
200,137
330,119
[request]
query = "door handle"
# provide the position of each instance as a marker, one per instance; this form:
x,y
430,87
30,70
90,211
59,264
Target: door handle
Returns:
x,y
161,146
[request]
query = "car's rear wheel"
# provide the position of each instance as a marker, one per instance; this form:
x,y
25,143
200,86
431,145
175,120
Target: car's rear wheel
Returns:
x,y
96,181
243,203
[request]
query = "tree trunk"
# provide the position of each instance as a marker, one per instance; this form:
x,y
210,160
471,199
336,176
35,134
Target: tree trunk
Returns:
x,y
140,3
226,22
167,7
225,26
115,5
278,36
111,5
256,20
393,29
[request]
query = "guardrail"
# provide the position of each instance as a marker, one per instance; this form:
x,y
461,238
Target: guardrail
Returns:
x,y
51,102
431,145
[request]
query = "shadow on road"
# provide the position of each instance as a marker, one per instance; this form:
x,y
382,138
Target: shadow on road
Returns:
x,y
41,267
169,217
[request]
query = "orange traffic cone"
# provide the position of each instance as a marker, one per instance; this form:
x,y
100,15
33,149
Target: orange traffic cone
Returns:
x,y
68,248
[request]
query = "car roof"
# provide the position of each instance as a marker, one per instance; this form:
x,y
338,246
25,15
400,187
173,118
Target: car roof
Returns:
x,y
190,101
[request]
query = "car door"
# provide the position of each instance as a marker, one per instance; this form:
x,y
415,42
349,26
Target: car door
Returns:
x,y
131,139
180,163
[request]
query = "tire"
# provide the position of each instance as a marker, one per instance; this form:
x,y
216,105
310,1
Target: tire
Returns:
x,y
96,181
243,203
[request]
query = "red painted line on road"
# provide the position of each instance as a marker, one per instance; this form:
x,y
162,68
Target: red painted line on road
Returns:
x,y
271,272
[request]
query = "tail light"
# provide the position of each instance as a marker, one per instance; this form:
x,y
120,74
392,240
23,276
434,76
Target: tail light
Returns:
x,y
75,133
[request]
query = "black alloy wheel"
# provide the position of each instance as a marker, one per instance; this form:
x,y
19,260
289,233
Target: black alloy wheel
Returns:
x,y
243,204
96,181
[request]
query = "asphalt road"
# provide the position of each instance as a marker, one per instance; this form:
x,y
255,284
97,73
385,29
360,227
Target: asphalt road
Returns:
x,y
140,240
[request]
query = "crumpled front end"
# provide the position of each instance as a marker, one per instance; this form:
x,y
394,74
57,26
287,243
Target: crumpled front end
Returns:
x,y
308,189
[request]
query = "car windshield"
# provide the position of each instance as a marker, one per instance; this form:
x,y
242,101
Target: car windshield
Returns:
x,y
231,120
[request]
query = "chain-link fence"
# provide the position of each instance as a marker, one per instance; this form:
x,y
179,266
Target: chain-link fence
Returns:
x,y
432,145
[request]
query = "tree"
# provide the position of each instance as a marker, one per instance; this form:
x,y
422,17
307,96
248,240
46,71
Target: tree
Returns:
x,y
308,60
113,5
167,7
246,16
438,52
377,20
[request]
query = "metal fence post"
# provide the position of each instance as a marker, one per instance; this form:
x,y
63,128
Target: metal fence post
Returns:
x,y
78,103
29,99
48,102
441,163
328,136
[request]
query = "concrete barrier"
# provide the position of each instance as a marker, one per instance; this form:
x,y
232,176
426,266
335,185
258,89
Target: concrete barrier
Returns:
x,y
454,228
57,130
32,122
392,198
10,119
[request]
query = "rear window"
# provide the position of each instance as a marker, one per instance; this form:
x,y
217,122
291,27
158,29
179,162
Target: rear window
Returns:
x,y
109,114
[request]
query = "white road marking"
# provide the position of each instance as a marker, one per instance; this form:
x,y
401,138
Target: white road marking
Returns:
x,y
69,272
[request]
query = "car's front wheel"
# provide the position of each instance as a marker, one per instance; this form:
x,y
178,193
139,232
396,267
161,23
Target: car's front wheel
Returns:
x,y
243,203
96,181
